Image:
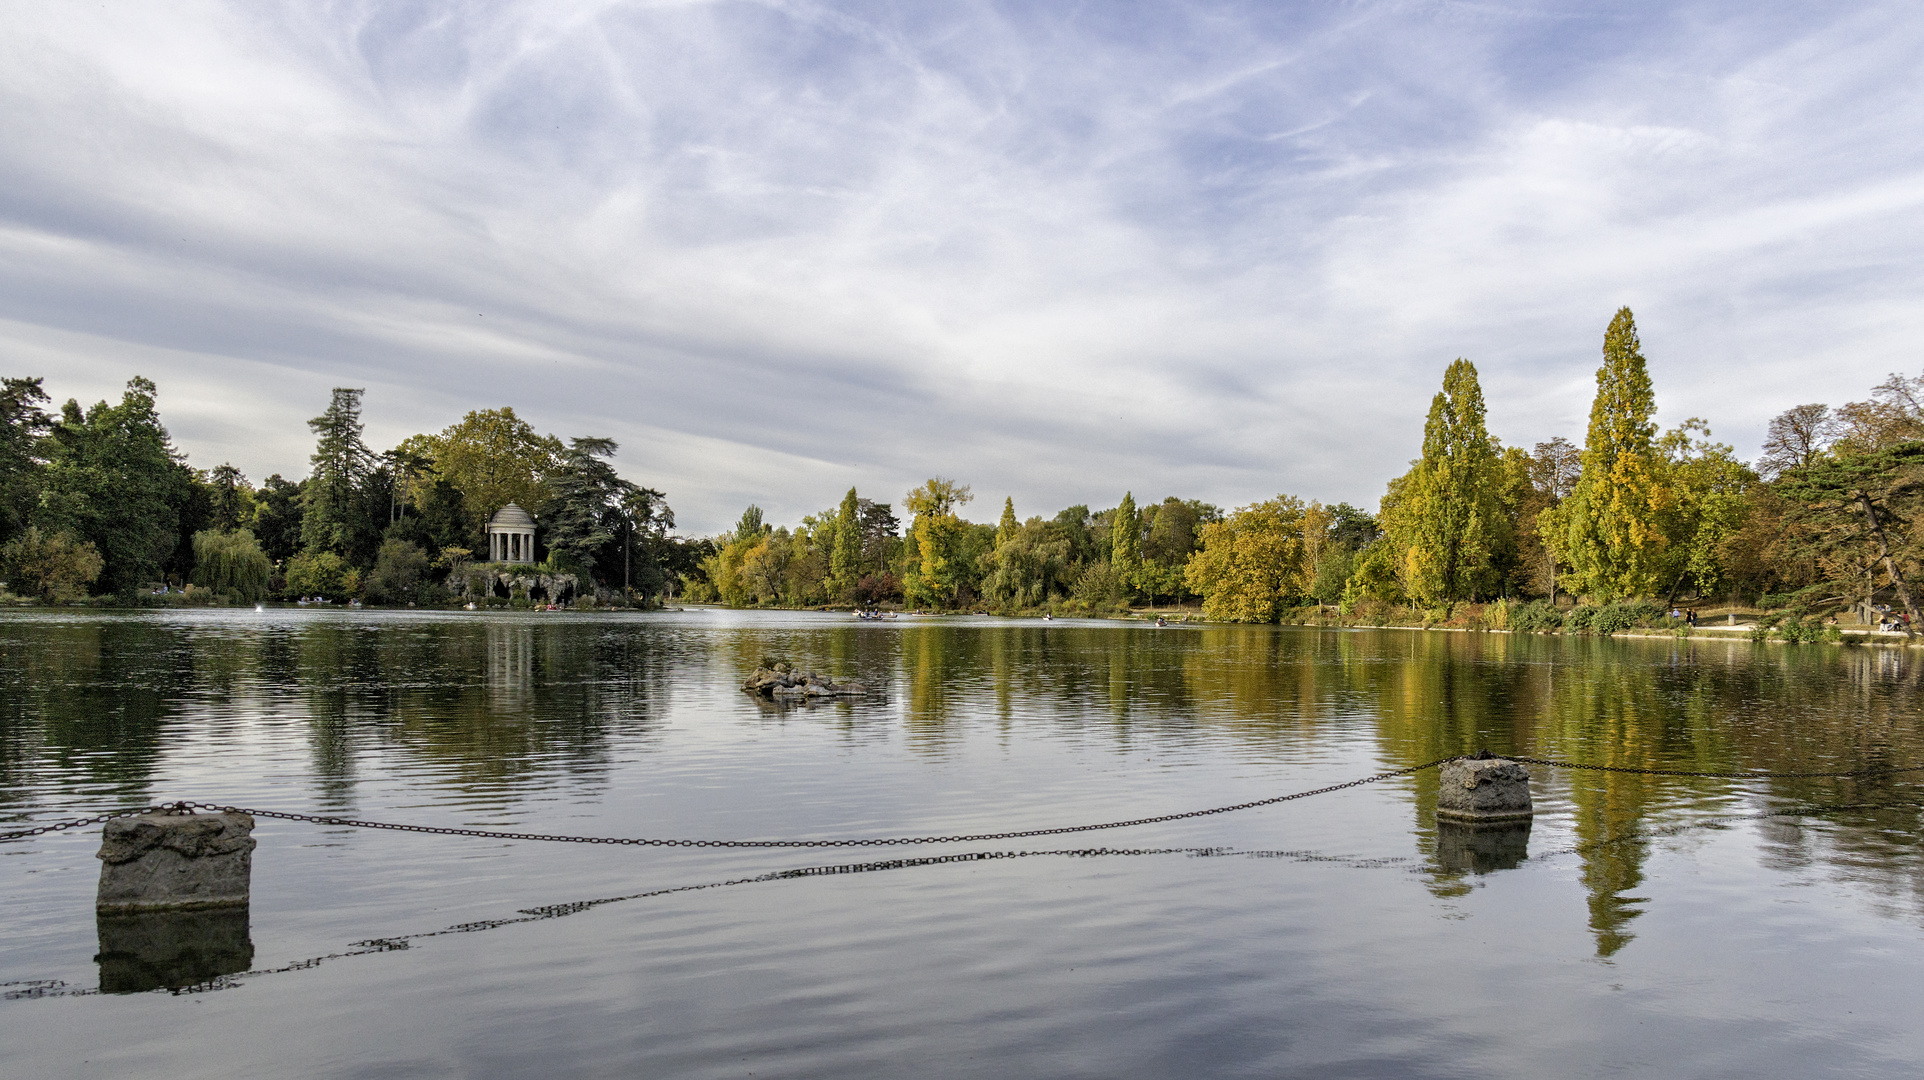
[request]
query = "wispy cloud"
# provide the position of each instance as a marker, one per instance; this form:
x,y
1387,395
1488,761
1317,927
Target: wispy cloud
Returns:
x,y
1054,250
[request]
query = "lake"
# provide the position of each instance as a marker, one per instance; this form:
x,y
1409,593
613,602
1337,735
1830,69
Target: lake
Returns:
x,y
1644,925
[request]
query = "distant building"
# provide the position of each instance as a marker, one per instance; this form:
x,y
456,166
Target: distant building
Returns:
x,y
511,536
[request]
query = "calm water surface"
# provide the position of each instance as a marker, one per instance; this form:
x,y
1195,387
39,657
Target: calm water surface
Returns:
x,y
1643,925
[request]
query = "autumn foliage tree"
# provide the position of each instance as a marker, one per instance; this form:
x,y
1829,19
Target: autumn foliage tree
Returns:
x,y
1250,565
1609,532
1447,529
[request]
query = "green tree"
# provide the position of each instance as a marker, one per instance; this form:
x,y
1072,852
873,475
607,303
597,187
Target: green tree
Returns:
x,y
1708,499
54,567
751,525
845,560
230,498
1611,532
647,550
1125,540
493,458
333,518
400,575
1863,501
584,512
1345,532
23,432
1449,529
277,517
1006,529
114,479
1076,525
1170,529
319,573
231,562
1027,568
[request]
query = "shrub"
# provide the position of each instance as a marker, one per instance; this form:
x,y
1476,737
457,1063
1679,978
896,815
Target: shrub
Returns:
x,y
1496,616
1536,617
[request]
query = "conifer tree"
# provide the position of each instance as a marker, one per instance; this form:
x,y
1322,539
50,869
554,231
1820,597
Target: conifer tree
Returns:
x,y
845,557
584,516
341,463
1006,531
1612,531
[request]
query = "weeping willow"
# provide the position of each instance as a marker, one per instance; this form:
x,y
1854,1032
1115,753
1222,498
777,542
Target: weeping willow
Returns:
x,y
230,562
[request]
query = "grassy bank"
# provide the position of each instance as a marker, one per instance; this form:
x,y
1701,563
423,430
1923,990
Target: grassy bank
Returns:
x,y
1623,619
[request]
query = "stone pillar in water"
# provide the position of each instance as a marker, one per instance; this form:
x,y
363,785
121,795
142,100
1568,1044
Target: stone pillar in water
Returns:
x,y
175,861
1483,789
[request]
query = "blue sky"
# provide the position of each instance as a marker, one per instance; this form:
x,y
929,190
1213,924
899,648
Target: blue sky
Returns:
x,y
1052,250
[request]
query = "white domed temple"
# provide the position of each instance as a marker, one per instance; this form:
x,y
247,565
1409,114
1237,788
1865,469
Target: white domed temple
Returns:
x,y
511,535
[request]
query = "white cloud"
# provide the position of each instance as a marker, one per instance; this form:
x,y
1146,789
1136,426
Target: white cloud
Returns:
x,y
778,249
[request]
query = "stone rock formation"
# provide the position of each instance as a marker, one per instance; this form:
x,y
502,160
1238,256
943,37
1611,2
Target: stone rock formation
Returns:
x,y
780,681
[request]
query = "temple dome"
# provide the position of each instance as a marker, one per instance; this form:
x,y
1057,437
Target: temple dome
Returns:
x,y
511,517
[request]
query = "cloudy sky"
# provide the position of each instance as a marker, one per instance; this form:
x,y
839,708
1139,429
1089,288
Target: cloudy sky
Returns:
x,y
1052,250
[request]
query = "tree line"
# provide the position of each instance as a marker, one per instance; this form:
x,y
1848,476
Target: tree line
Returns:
x,y
1825,516
99,500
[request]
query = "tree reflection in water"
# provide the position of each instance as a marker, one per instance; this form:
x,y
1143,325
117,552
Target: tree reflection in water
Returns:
x,y
91,706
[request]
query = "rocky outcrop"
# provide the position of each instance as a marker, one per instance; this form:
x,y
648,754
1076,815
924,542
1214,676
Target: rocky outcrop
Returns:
x,y
479,582
782,682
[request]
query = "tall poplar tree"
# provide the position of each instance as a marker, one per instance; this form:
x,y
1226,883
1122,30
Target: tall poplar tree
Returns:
x,y
1447,527
1612,531
1125,539
845,557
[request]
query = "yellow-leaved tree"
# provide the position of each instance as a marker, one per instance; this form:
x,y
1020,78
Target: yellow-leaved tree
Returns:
x,y
936,577
1613,532
1251,563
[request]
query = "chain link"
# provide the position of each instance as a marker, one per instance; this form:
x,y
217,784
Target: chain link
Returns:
x,y
874,842
98,819
897,841
1641,771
